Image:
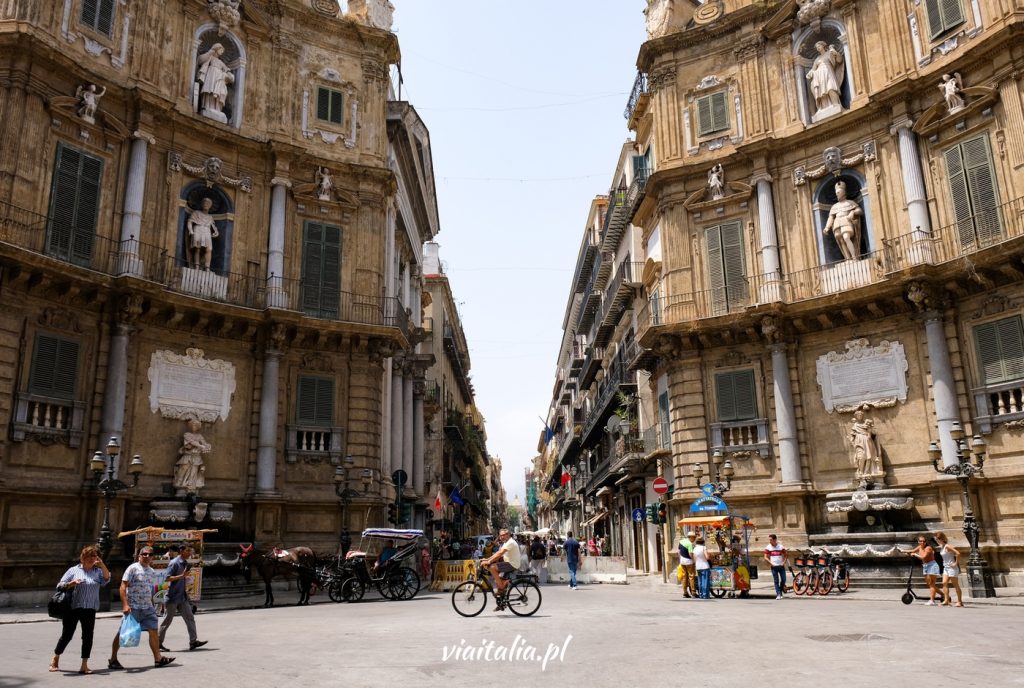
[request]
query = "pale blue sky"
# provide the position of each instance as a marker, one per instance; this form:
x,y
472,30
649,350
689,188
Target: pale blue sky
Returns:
x,y
524,105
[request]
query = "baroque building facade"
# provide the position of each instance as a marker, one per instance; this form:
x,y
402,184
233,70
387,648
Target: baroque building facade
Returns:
x,y
209,212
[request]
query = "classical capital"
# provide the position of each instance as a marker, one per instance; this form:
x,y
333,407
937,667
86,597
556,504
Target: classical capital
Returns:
x,y
277,338
129,308
281,181
144,136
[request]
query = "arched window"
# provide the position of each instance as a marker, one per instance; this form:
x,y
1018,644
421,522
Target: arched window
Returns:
x,y
825,197
222,211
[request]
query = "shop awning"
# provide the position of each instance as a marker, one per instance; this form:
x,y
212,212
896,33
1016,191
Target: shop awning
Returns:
x,y
593,519
715,521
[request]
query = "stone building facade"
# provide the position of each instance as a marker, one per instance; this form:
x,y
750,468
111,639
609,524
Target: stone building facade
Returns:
x,y
200,219
832,225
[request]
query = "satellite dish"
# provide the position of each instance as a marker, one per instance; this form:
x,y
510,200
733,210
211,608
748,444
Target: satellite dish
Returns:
x,y
613,425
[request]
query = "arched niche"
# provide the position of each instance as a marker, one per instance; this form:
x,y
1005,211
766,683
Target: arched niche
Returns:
x,y
805,54
223,212
234,57
825,197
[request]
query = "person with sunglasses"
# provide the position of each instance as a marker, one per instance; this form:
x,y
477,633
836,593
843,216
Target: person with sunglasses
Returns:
x,y
139,582
929,566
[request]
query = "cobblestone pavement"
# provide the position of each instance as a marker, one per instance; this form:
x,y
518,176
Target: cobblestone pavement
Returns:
x,y
600,635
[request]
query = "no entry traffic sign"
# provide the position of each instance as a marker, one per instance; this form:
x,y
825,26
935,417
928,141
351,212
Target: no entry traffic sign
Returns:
x,y
660,485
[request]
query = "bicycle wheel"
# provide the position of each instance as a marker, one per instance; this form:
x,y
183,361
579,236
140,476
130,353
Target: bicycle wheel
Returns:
x,y
352,590
800,582
523,598
824,582
404,583
469,598
843,582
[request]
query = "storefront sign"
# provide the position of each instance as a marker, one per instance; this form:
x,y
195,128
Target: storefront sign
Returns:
x,y
708,501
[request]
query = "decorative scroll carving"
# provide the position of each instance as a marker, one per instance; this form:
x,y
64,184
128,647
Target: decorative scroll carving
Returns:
x,y
59,319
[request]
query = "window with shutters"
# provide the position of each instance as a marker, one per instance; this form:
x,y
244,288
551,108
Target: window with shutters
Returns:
x,y
98,15
739,427
943,15
46,410
315,401
74,205
736,395
664,422
321,270
727,283
712,113
328,105
974,193
314,437
999,348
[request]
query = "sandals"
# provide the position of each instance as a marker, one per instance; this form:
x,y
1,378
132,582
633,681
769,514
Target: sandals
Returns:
x,y
164,661
114,665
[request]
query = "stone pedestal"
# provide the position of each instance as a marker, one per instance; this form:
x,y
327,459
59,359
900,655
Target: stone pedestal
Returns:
x,y
840,505
184,510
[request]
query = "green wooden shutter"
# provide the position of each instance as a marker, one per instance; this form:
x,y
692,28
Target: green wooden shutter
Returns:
x,y
315,404
323,104
1000,348
981,184
330,289
716,272
935,26
54,367
732,259
712,113
959,195
736,395
952,13
321,270
74,205
336,107
665,420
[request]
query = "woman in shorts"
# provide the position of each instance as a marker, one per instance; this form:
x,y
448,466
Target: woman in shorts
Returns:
x,y
950,570
926,554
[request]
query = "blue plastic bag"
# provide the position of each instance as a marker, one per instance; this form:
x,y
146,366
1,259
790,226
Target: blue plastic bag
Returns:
x,y
131,631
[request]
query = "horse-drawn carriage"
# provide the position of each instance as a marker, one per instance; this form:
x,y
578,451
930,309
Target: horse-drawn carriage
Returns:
x,y
378,563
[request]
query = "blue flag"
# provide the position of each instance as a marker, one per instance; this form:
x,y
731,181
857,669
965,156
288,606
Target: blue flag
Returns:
x,y
456,498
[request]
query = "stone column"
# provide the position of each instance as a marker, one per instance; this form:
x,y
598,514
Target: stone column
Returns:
x,y
129,262
407,420
397,416
417,437
770,266
943,385
116,389
266,452
913,189
785,415
276,296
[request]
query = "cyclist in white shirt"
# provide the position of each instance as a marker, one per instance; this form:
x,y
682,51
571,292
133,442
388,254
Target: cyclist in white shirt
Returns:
x,y
505,560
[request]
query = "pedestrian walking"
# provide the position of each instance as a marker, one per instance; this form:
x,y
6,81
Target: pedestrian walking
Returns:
x,y
689,581
929,566
84,579
571,555
703,566
538,560
137,586
178,601
950,570
776,556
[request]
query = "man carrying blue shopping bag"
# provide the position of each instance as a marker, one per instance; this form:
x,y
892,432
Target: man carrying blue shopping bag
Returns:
x,y
138,584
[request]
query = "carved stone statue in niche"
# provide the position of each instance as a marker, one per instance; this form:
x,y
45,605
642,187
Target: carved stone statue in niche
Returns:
x,y
952,92
324,184
825,78
844,221
88,101
716,182
865,452
214,79
190,472
202,230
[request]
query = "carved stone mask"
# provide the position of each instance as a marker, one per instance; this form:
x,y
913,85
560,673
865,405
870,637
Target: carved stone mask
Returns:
x,y
833,159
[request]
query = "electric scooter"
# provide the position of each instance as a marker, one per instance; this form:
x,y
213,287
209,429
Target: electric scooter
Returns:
x,y
909,596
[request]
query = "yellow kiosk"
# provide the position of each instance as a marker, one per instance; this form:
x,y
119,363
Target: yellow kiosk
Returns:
x,y
160,539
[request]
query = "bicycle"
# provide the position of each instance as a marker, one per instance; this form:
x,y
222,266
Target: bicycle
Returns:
x,y
838,577
522,596
805,577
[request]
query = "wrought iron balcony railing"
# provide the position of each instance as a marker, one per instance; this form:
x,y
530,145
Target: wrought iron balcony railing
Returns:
x,y
636,95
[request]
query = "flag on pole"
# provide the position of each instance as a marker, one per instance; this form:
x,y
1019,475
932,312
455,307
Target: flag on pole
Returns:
x,y
456,497
549,434
437,502
565,477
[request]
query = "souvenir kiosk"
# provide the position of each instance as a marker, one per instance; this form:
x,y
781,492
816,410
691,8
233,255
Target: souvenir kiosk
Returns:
x,y
160,539
710,517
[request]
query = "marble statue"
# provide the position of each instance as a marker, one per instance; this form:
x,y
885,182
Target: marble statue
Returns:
x,y
826,78
189,472
716,182
88,101
324,184
202,230
866,455
844,220
952,92
657,17
214,78
376,13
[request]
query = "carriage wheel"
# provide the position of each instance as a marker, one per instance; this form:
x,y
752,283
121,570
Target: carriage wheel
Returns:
x,y
523,598
404,583
469,598
352,590
334,590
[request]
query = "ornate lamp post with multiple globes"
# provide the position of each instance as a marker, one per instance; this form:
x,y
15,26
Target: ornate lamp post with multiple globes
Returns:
x,y
108,485
721,468
342,477
979,576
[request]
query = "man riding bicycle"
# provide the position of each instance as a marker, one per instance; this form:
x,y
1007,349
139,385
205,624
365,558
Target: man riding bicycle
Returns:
x,y
504,561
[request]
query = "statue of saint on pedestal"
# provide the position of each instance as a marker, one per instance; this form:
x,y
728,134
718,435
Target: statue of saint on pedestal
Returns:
x,y
214,78
826,77
190,472
866,454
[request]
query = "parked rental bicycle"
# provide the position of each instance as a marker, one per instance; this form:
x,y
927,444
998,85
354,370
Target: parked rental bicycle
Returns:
x,y
802,578
836,575
522,596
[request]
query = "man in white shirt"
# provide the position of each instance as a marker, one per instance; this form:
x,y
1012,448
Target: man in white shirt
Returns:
x,y
775,555
505,560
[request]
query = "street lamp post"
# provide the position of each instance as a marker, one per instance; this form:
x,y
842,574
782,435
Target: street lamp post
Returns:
x,y
108,485
342,476
720,468
979,575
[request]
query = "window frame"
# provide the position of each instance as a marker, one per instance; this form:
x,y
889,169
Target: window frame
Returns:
x,y
974,195
317,270
78,244
96,9
718,121
1000,332
733,377
331,94
722,271
323,390
65,355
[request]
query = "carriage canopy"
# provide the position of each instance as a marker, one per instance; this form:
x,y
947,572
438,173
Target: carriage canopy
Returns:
x,y
392,534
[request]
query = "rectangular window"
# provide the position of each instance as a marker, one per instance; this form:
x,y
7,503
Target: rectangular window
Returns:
x,y
737,397
74,205
1000,347
974,192
54,367
712,113
943,15
98,15
664,421
315,403
321,270
728,286
328,105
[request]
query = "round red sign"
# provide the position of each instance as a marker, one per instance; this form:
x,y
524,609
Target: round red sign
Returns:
x,y
660,485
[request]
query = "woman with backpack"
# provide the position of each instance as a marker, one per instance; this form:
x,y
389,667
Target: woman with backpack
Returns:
x,y
538,557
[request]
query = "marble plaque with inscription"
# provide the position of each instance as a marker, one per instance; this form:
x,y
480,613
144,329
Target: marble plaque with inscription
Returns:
x,y
863,375
190,386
